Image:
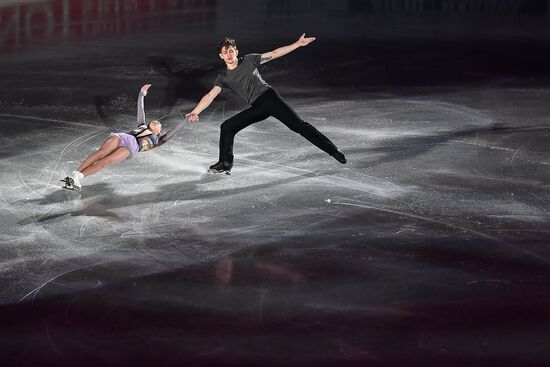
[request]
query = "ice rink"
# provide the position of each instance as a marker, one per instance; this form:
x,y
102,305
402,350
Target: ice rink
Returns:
x,y
430,247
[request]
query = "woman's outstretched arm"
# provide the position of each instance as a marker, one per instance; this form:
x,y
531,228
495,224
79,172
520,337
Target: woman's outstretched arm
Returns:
x,y
170,134
141,105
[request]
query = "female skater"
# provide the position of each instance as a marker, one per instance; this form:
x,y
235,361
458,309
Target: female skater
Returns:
x,y
120,146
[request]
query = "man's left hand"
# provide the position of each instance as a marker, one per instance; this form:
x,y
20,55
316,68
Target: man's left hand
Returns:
x,y
304,41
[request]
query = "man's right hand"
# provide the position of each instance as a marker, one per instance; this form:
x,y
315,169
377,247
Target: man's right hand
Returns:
x,y
192,117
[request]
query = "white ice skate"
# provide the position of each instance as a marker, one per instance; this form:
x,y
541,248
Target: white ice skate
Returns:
x,y
72,182
69,183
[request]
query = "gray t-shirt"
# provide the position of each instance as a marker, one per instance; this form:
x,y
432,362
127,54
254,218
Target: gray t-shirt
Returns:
x,y
245,80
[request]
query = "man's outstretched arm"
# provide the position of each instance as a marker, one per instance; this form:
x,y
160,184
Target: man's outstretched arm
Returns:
x,y
281,51
203,104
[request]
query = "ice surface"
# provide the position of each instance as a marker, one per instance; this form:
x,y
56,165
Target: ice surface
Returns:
x,y
429,247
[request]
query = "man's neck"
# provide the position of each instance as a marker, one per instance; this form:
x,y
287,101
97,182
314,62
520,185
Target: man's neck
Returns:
x,y
233,65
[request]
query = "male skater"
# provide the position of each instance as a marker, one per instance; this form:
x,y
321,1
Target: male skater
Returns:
x,y
242,77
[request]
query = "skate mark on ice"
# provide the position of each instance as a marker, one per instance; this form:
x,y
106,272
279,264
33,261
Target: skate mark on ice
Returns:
x,y
25,117
520,230
37,290
351,184
264,292
83,224
52,343
90,138
27,186
452,225
518,150
8,204
63,152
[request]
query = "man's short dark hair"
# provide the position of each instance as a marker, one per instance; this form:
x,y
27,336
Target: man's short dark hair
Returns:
x,y
227,42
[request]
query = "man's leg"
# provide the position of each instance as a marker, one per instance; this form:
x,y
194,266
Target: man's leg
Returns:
x,y
230,128
284,113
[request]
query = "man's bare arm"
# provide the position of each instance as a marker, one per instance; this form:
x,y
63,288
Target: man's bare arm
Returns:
x,y
281,51
203,104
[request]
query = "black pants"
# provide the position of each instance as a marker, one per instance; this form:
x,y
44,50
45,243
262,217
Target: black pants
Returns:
x,y
269,104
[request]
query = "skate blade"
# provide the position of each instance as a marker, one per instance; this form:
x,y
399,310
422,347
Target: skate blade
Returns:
x,y
218,172
68,184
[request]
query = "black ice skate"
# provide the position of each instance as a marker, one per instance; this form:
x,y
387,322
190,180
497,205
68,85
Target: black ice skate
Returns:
x,y
340,157
220,168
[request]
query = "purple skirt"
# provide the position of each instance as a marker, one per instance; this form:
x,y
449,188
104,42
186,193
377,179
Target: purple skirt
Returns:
x,y
127,141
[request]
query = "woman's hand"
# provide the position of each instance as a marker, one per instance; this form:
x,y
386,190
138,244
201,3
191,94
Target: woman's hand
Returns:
x,y
145,88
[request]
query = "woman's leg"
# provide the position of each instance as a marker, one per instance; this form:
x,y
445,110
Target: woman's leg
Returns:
x,y
116,156
108,146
